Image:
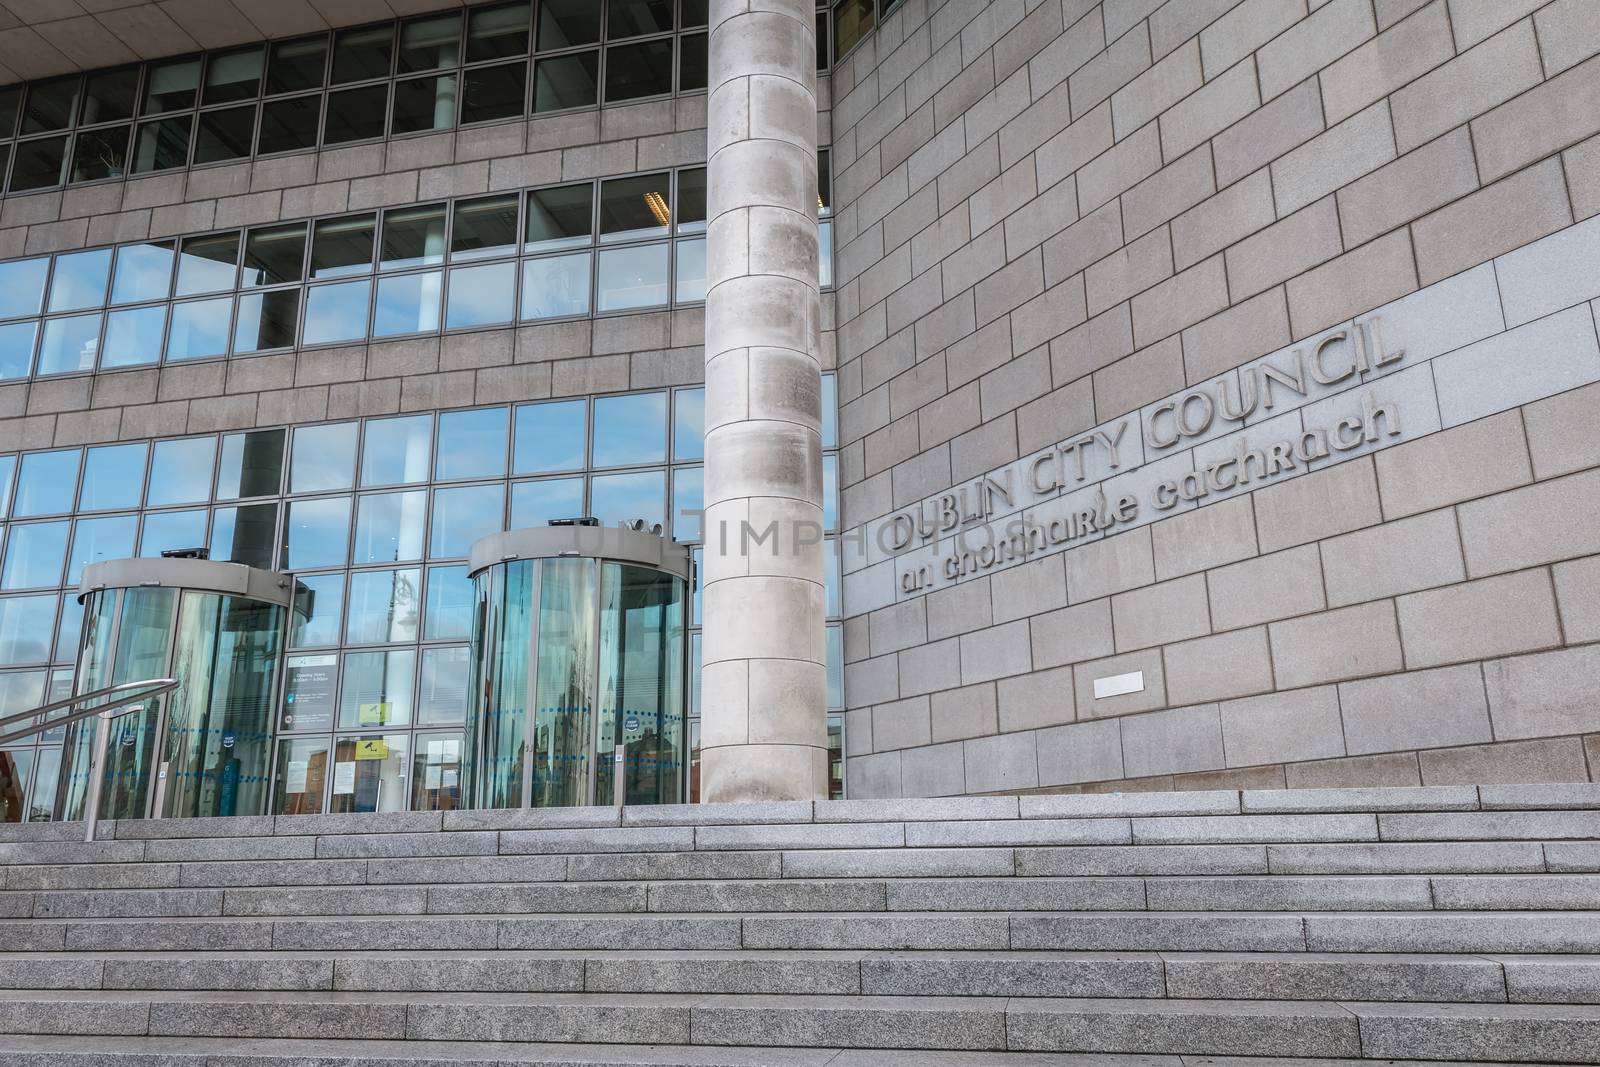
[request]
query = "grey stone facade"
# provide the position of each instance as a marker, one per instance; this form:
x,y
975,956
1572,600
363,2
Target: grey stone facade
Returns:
x,y
1058,217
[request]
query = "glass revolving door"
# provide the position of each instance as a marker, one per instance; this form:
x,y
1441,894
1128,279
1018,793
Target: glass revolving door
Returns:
x,y
578,656
205,748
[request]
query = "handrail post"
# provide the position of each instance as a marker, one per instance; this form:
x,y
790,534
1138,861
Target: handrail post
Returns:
x,y
97,759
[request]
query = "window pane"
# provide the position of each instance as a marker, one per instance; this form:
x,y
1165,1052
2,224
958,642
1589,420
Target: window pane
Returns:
x,y
536,503
489,93
274,254
170,86
37,164
630,18
615,498
26,624
692,62
637,70
46,483
830,492
692,200
565,81
407,303
343,246
289,125
835,666
67,637
444,685
302,773
484,227
555,286
162,145
824,185
689,424
224,135
568,22
450,600
34,553
550,437
233,75
113,477
22,286
8,468
369,773
100,154
50,105
207,264
252,464
355,114
396,451
472,444
630,429
16,349
430,43
337,312
318,607
376,690
266,321
852,20
200,329
180,471
362,53
384,606
316,533
462,515
688,501
69,344
689,283
389,527
246,534
560,218
825,254
424,104
324,457
830,412
481,296
165,531
133,337
693,13
632,277
631,208
144,272
10,99
97,540
79,281
498,31
412,237
297,64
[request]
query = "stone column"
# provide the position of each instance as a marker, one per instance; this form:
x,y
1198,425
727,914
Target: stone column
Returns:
x,y
764,682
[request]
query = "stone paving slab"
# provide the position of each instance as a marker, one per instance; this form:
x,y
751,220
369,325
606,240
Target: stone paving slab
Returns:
x,y
1184,1027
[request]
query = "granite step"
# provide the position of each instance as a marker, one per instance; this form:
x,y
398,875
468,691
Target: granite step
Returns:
x,y
1345,1029
1568,979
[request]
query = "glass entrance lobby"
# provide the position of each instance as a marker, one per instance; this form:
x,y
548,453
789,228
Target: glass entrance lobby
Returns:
x,y
205,748
579,665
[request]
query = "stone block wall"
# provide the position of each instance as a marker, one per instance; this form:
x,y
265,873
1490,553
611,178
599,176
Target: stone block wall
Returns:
x,y
1062,216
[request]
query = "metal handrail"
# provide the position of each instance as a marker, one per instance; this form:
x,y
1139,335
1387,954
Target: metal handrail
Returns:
x,y
151,687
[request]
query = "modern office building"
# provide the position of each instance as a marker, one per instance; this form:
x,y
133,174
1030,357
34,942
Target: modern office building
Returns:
x,y
1206,391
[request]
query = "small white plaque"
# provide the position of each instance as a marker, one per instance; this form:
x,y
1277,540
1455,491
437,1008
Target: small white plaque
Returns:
x,y
1118,685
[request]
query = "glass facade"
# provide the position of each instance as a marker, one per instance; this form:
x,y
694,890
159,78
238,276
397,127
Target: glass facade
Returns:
x,y
624,244
374,517
491,63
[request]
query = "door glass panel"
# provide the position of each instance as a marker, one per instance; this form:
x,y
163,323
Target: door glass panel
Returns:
x,y
369,773
564,684
641,685
436,773
495,743
219,726
300,778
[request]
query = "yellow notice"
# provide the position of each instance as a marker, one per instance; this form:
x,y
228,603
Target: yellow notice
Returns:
x,y
374,714
377,748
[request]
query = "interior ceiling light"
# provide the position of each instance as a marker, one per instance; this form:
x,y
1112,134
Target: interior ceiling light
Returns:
x,y
658,207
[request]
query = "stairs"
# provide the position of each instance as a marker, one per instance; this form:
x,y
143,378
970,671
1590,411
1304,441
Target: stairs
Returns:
x,y
1457,924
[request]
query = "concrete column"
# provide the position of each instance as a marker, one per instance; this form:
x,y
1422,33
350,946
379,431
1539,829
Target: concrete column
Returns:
x,y
764,682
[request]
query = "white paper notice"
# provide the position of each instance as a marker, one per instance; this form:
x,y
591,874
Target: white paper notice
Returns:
x,y
297,776
344,778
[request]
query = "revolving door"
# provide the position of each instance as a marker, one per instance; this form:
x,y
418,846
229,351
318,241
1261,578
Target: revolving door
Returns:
x,y
579,662
205,748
